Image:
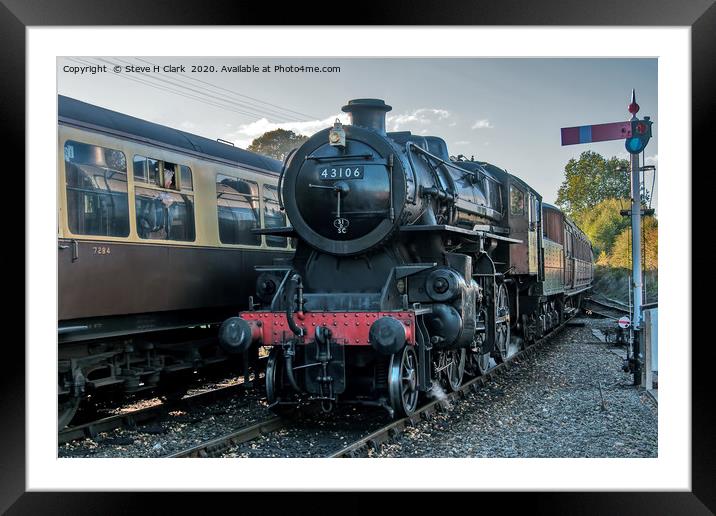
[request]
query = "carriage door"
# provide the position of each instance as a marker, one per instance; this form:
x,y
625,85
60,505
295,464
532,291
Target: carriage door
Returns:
x,y
569,259
532,244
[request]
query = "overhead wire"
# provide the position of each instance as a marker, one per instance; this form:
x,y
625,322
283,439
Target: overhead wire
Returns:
x,y
152,80
236,93
165,88
179,83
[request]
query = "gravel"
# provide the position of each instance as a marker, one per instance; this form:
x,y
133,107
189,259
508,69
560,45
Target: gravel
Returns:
x,y
315,435
176,430
570,399
547,406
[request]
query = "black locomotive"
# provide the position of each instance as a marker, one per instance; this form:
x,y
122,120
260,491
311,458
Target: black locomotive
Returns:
x,y
411,269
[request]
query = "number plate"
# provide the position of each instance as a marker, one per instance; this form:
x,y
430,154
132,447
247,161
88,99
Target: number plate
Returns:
x,y
336,173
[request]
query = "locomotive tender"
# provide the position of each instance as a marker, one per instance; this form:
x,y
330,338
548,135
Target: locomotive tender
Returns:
x,y
411,269
155,249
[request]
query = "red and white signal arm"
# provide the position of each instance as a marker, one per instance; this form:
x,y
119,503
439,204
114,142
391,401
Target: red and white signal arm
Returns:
x,y
624,322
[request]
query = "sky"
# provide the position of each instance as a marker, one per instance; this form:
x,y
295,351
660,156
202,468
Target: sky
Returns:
x,y
507,111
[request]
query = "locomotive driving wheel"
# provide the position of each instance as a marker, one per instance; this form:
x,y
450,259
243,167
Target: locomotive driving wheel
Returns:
x,y
479,362
455,369
403,382
502,324
276,388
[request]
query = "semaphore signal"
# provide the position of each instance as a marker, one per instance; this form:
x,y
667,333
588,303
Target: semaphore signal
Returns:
x,y
636,134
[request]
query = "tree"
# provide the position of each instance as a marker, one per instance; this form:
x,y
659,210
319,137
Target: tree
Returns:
x,y
590,180
277,143
621,253
603,224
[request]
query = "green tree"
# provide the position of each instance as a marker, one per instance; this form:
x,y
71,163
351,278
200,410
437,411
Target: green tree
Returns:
x,y
603,223
590,180
621,252
277,143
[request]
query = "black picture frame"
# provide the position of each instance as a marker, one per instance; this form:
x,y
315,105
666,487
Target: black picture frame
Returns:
x,y
17,15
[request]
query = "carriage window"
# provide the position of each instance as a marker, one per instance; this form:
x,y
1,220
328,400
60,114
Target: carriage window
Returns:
x,y
186,180
97,201
162,173
517,201
164,214
238,206
273,216
147,170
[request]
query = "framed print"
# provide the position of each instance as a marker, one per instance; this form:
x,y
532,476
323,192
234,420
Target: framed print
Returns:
x,y
202,144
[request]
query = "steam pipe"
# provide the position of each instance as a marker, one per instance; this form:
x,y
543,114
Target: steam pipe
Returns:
x,y
295,283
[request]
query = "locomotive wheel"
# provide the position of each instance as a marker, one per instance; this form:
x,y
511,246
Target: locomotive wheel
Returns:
x,y
403,382
502,326
275,385
480,363
568,306
456,370
66,409
526,333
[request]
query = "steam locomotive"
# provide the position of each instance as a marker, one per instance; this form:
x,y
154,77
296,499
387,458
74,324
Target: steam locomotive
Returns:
x,y
412,268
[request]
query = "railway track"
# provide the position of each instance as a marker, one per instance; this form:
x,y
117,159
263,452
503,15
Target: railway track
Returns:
x,y
218,446
609,310
137,417
393,429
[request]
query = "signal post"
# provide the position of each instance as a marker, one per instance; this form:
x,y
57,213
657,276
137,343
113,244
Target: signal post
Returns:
x,y
636,133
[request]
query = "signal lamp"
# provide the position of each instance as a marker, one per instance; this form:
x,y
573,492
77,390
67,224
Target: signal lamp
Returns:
x,y
640,135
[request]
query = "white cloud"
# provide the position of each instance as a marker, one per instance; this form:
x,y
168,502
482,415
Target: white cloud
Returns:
x,y
422,116
461,142
482,124
246,133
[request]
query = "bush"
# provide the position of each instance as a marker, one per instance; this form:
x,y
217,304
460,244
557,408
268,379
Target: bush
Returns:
x,y
621,253
614,283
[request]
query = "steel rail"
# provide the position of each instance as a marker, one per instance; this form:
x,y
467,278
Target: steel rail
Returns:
x,y
217,446
133,418
621,309
390,431
220,444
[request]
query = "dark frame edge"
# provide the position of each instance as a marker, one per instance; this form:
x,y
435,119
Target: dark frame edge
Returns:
x,y
703,110
12,400
702,499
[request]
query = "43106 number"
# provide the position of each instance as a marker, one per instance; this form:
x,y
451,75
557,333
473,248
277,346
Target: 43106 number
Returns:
x,y
331,173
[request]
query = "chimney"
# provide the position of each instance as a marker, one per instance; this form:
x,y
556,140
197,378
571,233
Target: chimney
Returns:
x,y
368,113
